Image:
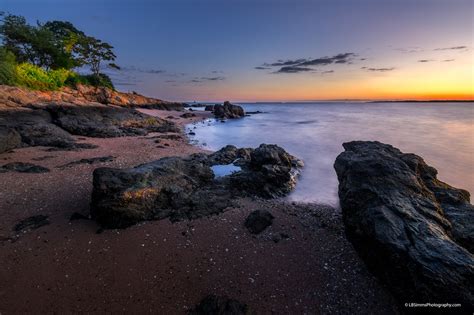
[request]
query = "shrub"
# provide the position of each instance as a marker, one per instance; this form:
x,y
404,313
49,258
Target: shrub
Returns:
x,y
37,78
8,72
102,80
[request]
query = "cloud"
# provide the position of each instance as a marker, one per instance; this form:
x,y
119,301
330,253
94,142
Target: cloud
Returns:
x,y
339,58
452,48
409,50
329,71
447,60
425,60
293,69
203,79
379,69
280,63
212,78
304,64
136,69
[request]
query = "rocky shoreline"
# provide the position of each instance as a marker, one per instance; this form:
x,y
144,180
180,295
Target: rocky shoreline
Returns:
x,y
97,171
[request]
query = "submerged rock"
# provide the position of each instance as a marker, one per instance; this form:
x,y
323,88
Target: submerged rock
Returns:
x,y
228,110
186,188
220,305
413,231
258,221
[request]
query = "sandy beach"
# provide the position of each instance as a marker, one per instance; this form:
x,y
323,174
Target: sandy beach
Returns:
x,y
301,264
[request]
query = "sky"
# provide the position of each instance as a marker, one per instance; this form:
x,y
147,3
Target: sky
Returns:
x,y
278,50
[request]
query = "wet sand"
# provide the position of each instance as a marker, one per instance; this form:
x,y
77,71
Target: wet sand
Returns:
x,y
301,264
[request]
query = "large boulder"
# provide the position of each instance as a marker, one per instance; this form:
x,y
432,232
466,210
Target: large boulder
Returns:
x,y
184,188
413,231
228,110
35,128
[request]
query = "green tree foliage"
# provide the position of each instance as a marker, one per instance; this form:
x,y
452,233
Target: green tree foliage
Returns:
x,y
93,51
8,71
42,49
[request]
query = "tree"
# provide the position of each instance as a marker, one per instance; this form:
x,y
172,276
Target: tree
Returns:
x,y
93,52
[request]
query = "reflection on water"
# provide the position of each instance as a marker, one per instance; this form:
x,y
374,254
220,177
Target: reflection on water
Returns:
x,y
442,133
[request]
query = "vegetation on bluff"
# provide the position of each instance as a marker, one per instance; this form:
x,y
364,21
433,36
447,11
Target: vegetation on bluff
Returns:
x,y
44,56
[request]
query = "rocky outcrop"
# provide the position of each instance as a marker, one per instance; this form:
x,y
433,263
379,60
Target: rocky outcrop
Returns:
x,y
54,124
413,231
209,108
35,118
12,96
106,121
186,188
219,305
228,110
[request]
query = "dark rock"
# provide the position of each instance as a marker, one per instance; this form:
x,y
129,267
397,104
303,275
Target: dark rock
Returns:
x,y
106,121
73,147
9,139
93,160
271,172
32,223
175,137
78,216
209,108
258,220
219,305
228,110
191,133
35,128
185,188
23,168
413,231
188,115
42,158
254,112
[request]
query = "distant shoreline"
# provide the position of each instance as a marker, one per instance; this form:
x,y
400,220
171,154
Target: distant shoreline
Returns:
x,y
202,104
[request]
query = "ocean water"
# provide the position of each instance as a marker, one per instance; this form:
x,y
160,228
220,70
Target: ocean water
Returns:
x,y
441,133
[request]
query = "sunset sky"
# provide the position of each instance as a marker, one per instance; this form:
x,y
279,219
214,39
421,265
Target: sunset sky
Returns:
x,y
278,50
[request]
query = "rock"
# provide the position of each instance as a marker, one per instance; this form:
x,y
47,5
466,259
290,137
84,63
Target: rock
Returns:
x,y
35,128
219,305
9,139
413,231
258,221
23,168
228,110
271,172
184,188
106,121
32,223
188,115
93,160
209,108
80,95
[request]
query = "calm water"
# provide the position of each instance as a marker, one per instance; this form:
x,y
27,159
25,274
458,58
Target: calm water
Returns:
x,y
442,133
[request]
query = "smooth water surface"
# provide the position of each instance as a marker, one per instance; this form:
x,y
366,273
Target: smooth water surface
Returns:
x,y
442,133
